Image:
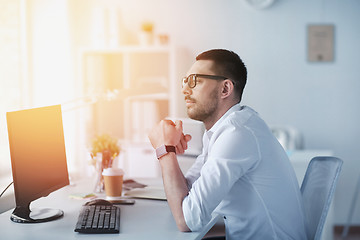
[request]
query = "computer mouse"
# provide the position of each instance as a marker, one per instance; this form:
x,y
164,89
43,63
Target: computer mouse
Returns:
x,y
98,202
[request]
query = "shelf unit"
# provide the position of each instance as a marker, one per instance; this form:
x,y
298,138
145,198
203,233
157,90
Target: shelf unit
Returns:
x,y
142,80
142,77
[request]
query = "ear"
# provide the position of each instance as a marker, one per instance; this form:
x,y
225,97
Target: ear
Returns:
x,y
227,88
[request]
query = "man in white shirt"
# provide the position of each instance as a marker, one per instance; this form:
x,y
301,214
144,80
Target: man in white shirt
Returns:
x,y
243,172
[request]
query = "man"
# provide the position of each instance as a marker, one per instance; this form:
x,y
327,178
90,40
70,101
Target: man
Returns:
x,y
243,172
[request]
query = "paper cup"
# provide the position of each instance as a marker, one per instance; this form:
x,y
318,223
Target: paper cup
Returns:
x,y
113,179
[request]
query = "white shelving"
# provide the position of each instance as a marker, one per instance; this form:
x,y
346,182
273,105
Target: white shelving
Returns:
x,y
144,79
142,76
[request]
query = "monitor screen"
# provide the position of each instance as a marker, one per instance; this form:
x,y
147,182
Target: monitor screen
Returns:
x,y
37,150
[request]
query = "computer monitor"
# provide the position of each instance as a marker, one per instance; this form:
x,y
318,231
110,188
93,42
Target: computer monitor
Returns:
x,y
38,160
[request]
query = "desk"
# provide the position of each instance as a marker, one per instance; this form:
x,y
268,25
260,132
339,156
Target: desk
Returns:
x,y
301,159
146,219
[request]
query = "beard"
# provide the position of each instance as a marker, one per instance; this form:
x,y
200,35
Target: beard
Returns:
x,y
202,111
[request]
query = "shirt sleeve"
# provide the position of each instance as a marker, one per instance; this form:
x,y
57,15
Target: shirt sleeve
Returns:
x,y
233,152
194,172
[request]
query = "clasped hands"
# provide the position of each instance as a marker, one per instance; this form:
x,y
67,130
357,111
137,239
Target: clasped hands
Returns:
x,y
171,133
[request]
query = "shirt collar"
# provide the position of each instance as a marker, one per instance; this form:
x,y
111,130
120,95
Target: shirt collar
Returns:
x,y
210,132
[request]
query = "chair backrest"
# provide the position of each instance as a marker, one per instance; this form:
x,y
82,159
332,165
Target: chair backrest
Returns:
x,y
317,190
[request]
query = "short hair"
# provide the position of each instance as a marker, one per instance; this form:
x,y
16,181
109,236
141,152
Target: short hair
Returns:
x,y
227,64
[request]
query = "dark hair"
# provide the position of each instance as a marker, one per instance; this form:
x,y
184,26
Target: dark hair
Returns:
x,y
227,64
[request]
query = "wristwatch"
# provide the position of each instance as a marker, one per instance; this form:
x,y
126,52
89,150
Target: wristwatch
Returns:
x,y
164,149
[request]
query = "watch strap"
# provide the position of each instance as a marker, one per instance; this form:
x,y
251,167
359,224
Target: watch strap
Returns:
x,y
164,149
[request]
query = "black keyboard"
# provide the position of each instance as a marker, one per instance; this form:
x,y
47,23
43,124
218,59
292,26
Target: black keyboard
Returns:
x,y
98,219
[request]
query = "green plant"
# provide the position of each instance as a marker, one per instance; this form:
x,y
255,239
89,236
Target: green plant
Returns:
x,y
109,149
106,145
147,27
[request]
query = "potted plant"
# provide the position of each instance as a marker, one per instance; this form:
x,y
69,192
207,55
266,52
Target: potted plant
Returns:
x,y
104,149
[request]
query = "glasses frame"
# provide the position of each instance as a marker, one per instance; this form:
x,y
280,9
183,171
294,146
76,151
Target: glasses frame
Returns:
x,y
193,77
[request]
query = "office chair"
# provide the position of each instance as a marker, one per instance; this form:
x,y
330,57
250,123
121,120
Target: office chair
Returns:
x,y
317,191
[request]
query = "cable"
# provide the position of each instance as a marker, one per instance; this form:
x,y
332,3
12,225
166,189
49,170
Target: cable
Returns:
x,y
6,189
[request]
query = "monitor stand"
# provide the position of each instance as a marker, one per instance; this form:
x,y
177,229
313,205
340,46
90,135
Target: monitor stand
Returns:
x,y
23,214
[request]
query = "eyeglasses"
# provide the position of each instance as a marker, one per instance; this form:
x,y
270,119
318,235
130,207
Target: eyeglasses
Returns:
x,y
192,79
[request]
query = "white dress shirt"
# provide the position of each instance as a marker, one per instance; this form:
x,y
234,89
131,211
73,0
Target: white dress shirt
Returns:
x,y
245,175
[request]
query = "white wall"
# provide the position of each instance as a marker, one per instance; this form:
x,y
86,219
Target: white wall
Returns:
x,y
318,98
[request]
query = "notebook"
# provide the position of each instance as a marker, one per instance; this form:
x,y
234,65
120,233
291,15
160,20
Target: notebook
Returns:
x,y
149,192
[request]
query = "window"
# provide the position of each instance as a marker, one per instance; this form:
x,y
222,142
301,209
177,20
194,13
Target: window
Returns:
x,y
36,65
10,72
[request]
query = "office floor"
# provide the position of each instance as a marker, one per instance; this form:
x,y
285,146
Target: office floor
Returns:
x,y
217,230
352,236
354,233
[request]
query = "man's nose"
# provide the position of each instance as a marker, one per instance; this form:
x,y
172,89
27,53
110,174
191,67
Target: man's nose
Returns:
x,y
186,90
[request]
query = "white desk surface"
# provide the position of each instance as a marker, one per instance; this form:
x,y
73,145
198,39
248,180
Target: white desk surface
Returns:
x,y
146,219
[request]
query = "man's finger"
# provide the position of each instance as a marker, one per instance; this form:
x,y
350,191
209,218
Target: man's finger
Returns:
x,y
188,137
179,148
167,121
178,124
183,142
